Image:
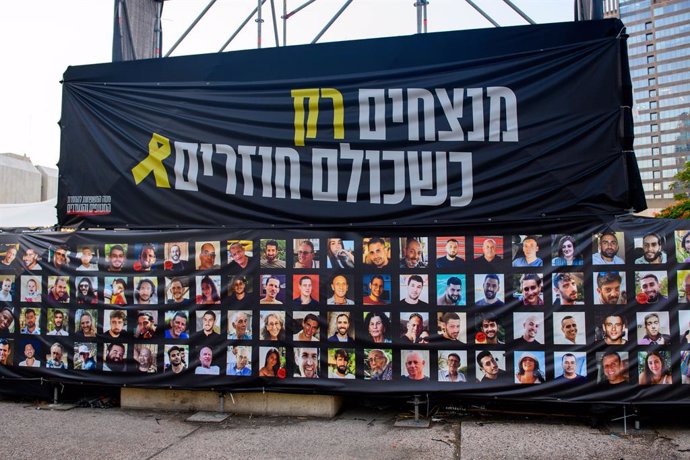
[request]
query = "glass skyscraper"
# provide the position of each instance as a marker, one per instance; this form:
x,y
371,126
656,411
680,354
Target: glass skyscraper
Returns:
x,y
659,54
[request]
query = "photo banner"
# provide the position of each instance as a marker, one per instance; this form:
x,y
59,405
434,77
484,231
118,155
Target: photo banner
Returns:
x,y
505,124
561,310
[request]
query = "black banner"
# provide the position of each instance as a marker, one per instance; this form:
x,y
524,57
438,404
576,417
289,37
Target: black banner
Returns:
x,y
507,124
566,310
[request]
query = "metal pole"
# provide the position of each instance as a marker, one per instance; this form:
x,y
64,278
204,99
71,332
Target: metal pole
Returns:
x,y
258,23
158,45
299,8
333,19
275,23
518,11
418,6
284,22
480,11
189,29
244,23
425,20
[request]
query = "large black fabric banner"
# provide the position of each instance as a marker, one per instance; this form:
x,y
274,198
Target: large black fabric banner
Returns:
x,y
505,124
559,310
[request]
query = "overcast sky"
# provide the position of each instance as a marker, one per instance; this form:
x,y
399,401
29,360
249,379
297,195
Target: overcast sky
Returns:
x,y
41,38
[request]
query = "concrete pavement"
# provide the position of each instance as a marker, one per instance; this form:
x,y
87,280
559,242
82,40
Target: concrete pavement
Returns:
x,y
85,433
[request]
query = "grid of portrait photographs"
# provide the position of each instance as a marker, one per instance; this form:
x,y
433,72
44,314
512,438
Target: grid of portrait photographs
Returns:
x,y
451,310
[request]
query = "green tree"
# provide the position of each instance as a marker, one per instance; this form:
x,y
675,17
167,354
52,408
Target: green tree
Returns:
x,y
681,208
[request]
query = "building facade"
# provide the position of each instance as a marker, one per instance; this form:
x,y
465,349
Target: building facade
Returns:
x,y
659,54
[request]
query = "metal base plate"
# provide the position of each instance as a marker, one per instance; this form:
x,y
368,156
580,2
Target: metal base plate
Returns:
x,y
208,417
412,423
58,407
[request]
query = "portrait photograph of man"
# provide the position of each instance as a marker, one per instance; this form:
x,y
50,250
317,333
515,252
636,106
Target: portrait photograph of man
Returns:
x,y
58,290
414,289
175,358
612,368
608,248
306,325
29,321
207,255
146,357
526,251
491,367
30,352
240,324
176,256
241,291
8,256
56,357
528,288
147,255
569,328
115,290
570,366
115,257
273,254
306,253
340,327
88,258
414,252
489,329
653,328
568,288
414,327
85,356
147,324
145,290
115,357
609,288
31,260
528,328
376,289
450,290
58,257
452,326
378,364
177,324
206,361
240,255
488,252
58,322
415,365
340,290
651,287
305,289
376,251
115,324
649,248
489,290
683,279
306,364
272,290
341,363
451,253
452,366
239,361
207,325
611,328
177,291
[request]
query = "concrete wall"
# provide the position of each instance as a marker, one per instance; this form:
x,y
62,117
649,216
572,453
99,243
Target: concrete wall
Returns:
x,y
22,182
49,182
237,403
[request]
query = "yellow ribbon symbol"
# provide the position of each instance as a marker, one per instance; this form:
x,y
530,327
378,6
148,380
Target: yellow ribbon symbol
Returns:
x,y
159,150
